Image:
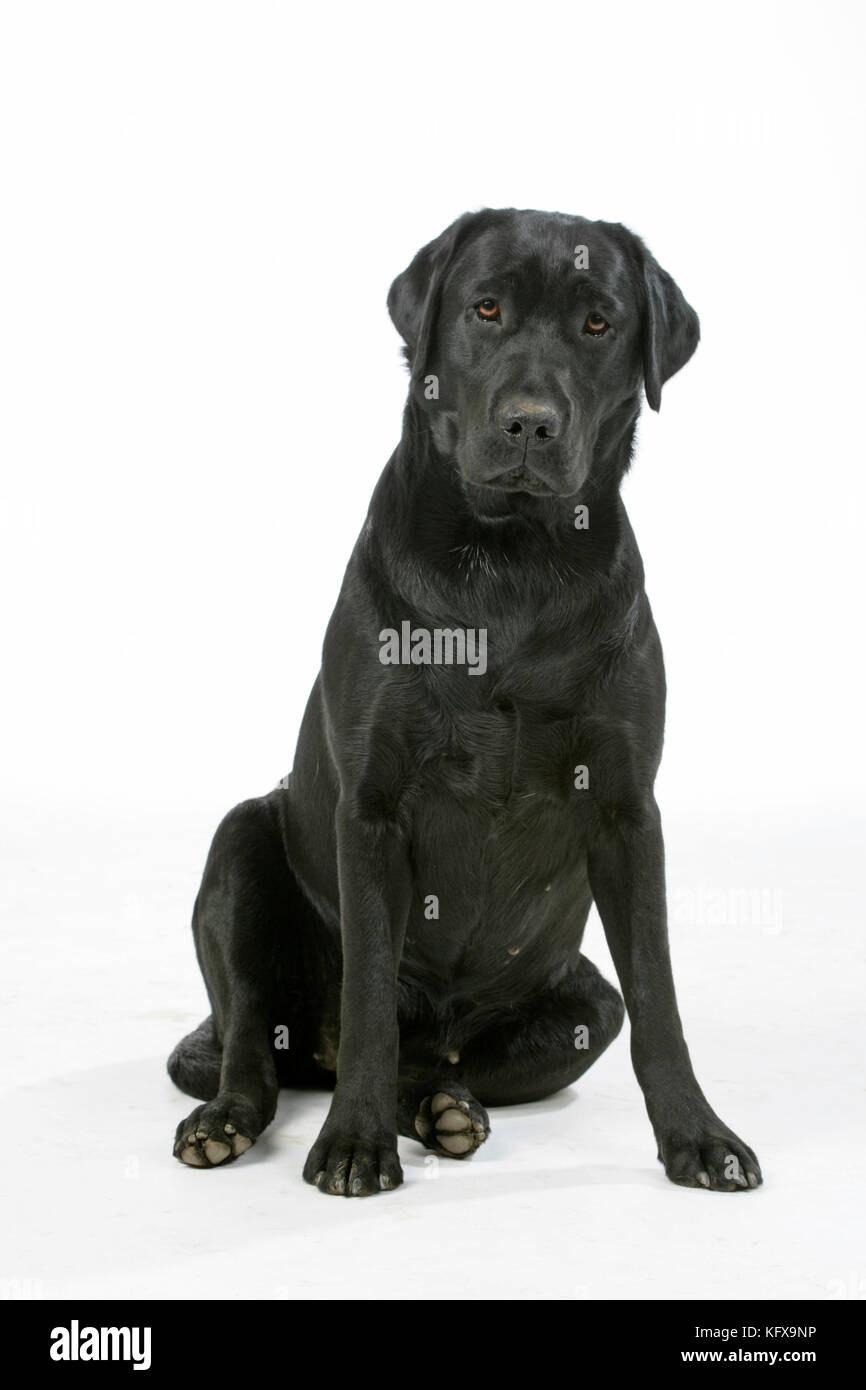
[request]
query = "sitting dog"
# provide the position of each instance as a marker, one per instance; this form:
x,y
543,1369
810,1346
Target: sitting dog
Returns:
x,y
401,919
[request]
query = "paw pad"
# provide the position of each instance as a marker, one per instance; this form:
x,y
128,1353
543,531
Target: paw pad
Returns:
x,y
447,1123
206,1141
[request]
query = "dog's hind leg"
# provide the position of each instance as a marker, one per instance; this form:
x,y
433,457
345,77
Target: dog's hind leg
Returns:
x,y
248,922
196,1062
546,1045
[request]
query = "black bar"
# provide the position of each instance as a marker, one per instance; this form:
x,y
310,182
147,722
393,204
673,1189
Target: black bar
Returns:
x,y
186,1335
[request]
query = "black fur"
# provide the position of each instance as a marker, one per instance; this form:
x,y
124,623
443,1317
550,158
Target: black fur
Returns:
x,y
422,781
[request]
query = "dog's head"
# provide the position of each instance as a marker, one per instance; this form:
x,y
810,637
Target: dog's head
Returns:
x,y
529,336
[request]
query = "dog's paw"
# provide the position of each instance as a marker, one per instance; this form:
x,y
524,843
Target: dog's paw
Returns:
x,y
216,1133
347,1166
452,1123
715,1159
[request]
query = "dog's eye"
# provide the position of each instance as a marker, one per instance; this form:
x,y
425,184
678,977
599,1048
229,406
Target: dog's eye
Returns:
x,y
595,325
488,309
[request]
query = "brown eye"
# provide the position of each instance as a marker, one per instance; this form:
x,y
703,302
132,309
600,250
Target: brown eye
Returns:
x,y
488,309
595,325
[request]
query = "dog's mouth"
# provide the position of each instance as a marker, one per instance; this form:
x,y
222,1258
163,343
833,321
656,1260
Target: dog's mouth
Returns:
x,y
519,480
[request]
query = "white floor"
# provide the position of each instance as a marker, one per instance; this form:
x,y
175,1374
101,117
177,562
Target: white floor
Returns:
x,y
565,1201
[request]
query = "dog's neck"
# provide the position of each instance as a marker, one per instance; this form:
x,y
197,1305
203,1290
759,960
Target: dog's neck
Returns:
x,y
431,530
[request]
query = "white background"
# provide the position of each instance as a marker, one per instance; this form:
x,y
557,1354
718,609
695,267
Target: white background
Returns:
x,y
203,207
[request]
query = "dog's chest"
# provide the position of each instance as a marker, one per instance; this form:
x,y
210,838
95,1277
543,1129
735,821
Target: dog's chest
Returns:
x,y
498,758
498,852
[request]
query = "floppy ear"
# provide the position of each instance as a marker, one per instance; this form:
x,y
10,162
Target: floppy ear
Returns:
x,y
670,332
413,299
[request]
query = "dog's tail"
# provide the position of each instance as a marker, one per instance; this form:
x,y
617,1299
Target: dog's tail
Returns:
x,y
195,1064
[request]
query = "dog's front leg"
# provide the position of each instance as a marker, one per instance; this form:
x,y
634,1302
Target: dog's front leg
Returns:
x,y
626,871
356,1151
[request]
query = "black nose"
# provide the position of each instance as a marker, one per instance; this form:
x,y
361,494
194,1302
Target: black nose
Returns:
x,y
530,423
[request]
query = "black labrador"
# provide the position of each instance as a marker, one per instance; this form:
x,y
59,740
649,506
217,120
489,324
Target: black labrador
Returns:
x,y
401,918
